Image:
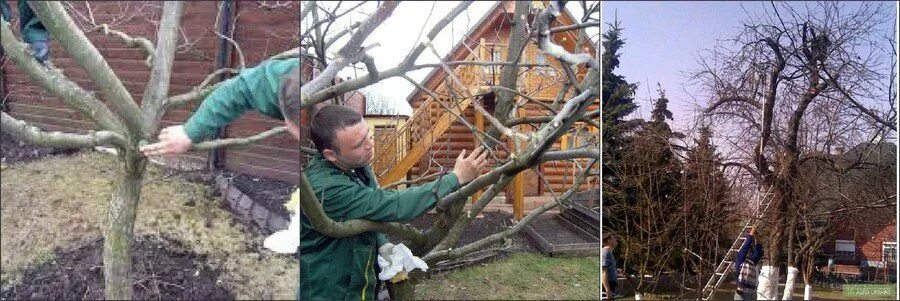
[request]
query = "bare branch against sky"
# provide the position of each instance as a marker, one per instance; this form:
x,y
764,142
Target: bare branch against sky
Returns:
x,y
399,34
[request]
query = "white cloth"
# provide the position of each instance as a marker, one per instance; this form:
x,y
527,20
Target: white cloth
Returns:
x,y
286,241
401,260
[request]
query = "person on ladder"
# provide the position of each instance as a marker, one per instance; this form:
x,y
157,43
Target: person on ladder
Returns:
x,y
745,265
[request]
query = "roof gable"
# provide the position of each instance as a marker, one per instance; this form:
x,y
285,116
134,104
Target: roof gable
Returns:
x,y
493,18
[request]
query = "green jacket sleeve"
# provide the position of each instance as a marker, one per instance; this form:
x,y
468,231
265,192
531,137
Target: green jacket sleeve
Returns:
x,y
381,239
255,88
375,204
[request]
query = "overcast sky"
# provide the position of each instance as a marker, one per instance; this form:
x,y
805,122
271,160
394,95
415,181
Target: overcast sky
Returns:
x,y
409,22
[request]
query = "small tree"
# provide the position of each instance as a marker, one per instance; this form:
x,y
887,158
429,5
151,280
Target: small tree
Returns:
x,y
122,123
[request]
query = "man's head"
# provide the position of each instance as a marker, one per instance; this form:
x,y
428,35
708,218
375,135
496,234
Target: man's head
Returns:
x,y
342,137
289,101
611,240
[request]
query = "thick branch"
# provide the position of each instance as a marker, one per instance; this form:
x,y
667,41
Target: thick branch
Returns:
x,y
589,118
33,135
311,207
546,43
153,103
64,30
54,81
569,154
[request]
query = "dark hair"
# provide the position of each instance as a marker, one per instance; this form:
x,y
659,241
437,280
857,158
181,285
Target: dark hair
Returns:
x,y
327,121
609,236
289,96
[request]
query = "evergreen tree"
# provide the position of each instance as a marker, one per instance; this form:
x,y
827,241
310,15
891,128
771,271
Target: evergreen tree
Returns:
x,y
708,207
617,99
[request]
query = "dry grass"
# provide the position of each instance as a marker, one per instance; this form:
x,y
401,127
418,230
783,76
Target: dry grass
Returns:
x,y
60,202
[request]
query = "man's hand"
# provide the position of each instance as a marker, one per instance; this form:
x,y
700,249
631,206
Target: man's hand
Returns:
x,y
753,231
469,168
173,140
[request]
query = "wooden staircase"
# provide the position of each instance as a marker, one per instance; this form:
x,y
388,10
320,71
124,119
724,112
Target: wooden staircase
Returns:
x,y
402,148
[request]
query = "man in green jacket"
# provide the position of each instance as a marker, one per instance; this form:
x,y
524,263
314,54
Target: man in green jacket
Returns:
x,y
331,268
269,88
342,178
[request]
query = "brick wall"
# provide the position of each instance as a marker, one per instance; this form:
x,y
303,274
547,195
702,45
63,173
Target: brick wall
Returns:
x,y
261,32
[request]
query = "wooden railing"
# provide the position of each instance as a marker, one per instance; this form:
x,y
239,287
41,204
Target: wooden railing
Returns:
x,y
405,146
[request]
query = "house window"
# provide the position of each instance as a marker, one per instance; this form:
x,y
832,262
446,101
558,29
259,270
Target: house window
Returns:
x,y
845,249
889,253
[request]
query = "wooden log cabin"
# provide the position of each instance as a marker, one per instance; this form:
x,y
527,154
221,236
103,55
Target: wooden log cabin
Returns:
x,y
260,32
432,138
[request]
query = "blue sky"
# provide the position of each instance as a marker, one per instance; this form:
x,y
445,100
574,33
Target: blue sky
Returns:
x,y
662,41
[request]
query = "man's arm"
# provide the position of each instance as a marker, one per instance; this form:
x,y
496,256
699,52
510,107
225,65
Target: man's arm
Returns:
x,y
375,204
360,202
255,88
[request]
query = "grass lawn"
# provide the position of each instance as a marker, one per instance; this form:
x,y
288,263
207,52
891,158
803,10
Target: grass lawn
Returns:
x,y
726,292
519,276
60,202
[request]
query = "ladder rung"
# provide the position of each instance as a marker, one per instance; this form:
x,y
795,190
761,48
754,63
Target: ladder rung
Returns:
x,y
720,274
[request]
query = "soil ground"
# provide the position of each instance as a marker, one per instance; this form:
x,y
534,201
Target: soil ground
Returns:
x,y
12,150
164,270
53,210
272,194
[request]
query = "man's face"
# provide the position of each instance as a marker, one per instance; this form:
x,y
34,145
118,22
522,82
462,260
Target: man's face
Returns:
x,y
613,243
355,147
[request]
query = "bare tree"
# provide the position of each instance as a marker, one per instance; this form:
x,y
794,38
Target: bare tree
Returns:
x,y
786,65
437,244
121,123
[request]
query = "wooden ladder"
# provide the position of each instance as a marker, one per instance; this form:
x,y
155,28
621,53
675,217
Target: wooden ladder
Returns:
x,y
764,200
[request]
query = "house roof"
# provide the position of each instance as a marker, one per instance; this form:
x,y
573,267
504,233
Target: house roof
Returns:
x,y
489,18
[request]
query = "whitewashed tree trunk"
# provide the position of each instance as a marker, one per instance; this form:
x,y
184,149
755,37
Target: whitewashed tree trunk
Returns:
x,y
789,283
807,292
768,283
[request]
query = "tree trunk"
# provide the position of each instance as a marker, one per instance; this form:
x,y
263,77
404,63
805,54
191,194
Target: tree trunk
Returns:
x,y
404,290
118,232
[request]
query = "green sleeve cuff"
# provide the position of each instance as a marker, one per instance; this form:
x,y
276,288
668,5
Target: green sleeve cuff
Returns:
x,y
455,180
194,132
381,239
